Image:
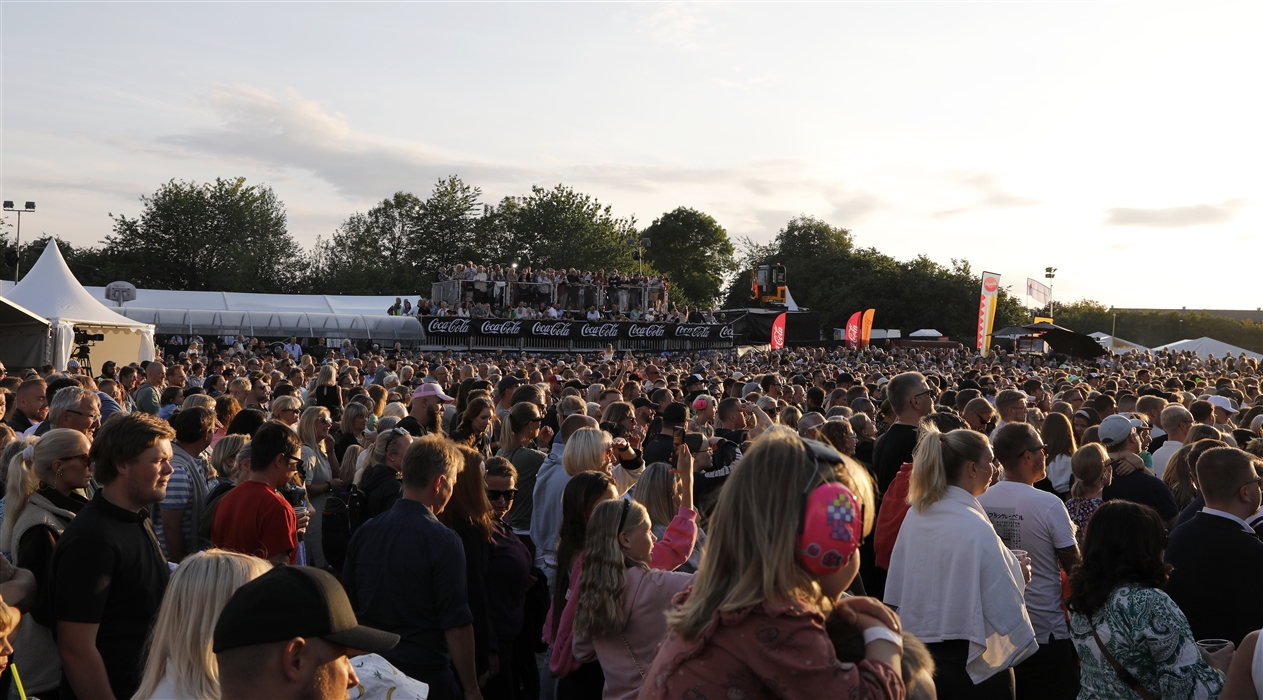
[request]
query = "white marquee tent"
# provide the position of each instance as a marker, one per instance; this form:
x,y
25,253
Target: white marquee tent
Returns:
x,y
1205,347
51,291
1118,345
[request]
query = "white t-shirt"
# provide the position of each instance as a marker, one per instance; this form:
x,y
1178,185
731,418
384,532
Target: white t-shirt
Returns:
x,y
1027,518
1164,455
1059,473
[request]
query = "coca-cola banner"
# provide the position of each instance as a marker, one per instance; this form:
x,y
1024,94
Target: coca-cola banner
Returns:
x,y
576,330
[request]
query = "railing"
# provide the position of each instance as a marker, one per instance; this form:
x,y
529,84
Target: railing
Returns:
x,y
621,298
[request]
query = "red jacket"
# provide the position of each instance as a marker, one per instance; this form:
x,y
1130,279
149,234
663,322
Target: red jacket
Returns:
x,y
894,506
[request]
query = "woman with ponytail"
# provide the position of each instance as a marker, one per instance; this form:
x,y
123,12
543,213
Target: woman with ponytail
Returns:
x,y
973,619
42,497
619,618
517,444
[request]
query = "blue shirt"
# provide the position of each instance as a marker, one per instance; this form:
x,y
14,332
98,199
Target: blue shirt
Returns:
x,y
405,573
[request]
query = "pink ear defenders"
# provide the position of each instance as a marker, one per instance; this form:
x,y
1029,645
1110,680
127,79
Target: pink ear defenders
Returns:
x,y
832,526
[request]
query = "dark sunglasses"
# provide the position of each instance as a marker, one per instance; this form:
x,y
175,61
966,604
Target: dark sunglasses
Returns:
x,y
494,495
1038,448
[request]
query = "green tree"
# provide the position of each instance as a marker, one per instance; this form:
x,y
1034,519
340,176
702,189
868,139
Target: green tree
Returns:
x,y
561,228
826,273
220,236
371,252
693,251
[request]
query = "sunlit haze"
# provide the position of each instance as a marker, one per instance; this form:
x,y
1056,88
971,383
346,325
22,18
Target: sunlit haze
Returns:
x,y
1117,142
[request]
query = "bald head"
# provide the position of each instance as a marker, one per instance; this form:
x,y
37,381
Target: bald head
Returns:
x,y
574,423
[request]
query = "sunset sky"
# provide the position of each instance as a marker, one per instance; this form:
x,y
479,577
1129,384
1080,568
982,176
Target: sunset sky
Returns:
x,y
1118,142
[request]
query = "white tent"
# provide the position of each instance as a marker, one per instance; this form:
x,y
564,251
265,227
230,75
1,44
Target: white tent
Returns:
x,y
1205,347
926,333
1118,345
50,290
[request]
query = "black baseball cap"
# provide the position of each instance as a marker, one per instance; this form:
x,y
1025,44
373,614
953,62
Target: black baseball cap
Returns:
x,y
642,402
295,601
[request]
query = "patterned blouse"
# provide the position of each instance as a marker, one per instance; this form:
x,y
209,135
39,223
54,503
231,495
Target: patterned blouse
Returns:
x,y
1149,635
1080,510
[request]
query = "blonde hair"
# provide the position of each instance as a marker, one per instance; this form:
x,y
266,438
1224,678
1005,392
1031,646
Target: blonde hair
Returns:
x,y
789,417
283,403
750,556
603,579
585,451
326,376
396,410
938,461
655,490
184,632
307,428
350,412
198,401
26,473
227,448
569,406
1087,464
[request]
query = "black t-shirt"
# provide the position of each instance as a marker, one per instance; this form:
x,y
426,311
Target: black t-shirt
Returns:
x,y
1146,489
892,450
412,425
109,570
737,436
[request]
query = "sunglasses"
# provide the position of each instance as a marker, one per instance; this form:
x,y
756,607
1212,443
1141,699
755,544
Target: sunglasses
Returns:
x,y
494,495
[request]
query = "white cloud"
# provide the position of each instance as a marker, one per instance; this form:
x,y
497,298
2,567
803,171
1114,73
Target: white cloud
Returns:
x,y
993,196
1176,217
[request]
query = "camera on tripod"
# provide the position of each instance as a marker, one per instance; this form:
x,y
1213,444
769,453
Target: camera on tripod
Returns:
x,y
84,338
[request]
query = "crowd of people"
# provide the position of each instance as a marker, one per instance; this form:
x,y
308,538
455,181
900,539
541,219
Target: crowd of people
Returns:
x,y
505,291
814,522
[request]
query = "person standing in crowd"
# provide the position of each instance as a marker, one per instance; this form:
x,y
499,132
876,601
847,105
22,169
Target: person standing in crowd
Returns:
x,y
619,615
475,425
41,501
1218,550
75,408
1036,522
108,574
1129,634
1058,435
549,487
521,429
1131,480
253,518
753,619
1092,474
974,622
178,515
381,482
912,399
30,405
181,665
414,585
1176,421
287,634
508,579
425,416
149,394
320,471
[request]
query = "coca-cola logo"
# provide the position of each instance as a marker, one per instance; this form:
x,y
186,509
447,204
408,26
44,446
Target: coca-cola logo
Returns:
x,y
599,330
700,332
725,332
778,337
647,330
500,327
447,326
560,329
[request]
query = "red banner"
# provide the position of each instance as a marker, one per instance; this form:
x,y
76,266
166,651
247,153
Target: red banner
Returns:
x,y
866,327
778,332
853,330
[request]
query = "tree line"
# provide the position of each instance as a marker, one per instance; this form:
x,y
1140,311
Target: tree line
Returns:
x,y
229,235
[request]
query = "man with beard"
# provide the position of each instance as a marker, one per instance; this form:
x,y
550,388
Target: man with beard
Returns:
x,y
30,405
425,416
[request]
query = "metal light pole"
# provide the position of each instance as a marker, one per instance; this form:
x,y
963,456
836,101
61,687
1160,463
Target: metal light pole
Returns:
x,y
29,209
1049,274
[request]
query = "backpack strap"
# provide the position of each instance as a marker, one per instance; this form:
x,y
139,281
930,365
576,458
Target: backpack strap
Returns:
x,y
1123,674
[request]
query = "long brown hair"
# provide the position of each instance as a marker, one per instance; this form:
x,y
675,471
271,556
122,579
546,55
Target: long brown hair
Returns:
x,y
469,504
1058,434
1123,546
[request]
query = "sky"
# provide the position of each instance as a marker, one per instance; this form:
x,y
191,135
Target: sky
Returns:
x,y
1117,142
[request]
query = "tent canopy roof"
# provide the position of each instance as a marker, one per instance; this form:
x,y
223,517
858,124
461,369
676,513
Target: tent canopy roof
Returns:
x,y
1208,346
50,290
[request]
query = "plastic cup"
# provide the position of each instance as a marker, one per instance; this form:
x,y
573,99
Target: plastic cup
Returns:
x,y
1019,553
1211,646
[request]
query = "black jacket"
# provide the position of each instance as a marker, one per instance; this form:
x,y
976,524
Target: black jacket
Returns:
x,y
382,486
1217,576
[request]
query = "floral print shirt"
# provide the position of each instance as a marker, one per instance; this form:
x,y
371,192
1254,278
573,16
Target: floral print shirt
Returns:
x,y
1080,510
1149,636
